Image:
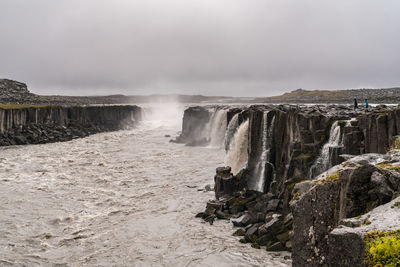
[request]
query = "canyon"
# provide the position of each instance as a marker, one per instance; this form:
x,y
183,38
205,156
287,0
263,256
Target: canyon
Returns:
x,y
296,175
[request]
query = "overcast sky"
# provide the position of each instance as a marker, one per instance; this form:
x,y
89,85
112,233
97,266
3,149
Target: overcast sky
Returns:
x,y
211,47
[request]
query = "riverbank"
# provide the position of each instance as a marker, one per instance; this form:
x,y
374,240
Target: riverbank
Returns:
x,y
116,199
276,151
22,124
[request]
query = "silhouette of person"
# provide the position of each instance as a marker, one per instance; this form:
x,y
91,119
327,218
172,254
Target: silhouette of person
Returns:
x,y
355,104
366,103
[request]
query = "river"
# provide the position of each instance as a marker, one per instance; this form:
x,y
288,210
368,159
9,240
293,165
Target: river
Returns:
x,y
125,198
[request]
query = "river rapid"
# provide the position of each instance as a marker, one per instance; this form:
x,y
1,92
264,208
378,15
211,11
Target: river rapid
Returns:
x,y
125,198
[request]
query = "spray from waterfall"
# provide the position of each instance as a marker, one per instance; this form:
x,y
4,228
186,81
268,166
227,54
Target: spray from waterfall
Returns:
x,y
231,130
323,162
218,124
237,156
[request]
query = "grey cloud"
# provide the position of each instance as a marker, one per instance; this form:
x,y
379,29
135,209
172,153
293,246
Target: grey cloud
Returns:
x,y
215,47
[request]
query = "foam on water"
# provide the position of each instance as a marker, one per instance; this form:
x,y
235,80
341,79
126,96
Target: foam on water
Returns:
x,y
116,199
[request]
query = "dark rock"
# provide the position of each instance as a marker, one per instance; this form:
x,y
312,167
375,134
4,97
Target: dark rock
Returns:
x,y
348,190
242,221
277,246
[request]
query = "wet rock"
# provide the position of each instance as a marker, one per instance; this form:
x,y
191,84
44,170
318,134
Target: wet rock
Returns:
x,y
243,220
226,184
277,246
194,121
273,204
348,190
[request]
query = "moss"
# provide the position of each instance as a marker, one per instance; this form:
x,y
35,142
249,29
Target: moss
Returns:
x,y
255,245
396,204
389,166
295,196
367,222
358,217
239,232
333,178
396,144
382,248
242,240
305,156
19,106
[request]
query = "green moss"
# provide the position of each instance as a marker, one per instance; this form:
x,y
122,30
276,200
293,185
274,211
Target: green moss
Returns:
x,y
255,245
382,248
396,204
367,222
389,166
19,106
305,156
396,144
358,217
239,232
242,240
296,196
333,178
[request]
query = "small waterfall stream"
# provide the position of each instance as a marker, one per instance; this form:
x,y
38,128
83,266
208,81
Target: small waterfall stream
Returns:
x,y
323,162
259,177
231,131
237,155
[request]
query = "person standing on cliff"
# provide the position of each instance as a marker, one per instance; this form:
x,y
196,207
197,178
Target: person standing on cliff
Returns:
x,y
366,103
355,104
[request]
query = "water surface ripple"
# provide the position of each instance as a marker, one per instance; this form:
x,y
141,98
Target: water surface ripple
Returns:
x,y
115,199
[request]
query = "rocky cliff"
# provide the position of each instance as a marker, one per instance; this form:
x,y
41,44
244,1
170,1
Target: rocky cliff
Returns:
x,y
334,215
385,95
286,147
50,124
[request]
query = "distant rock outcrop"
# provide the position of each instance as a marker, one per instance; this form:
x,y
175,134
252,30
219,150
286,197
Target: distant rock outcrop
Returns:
x,y
386,95
13,91
36,125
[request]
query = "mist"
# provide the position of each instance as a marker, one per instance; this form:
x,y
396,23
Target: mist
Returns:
x,y
225,47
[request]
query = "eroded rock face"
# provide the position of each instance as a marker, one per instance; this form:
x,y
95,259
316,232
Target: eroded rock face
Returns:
x,y
296,137
52,124
194,122
348,190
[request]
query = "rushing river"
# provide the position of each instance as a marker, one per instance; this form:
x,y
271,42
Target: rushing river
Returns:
x,y
125,198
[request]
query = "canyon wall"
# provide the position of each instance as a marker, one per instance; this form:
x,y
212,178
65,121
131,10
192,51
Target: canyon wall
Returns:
x,y
288,149
50,124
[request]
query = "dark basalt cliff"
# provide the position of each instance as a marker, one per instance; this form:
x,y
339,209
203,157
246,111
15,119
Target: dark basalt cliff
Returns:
x,y
50,124
288,146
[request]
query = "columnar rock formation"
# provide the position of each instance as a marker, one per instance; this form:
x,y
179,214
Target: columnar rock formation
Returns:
x,y
49,124
286,145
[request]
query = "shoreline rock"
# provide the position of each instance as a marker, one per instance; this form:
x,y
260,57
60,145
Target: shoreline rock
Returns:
x,y
38,125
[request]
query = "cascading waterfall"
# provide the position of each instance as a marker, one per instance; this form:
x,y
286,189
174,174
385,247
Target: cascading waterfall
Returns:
x,y
218,125
323,162
237,156
231,131
259,178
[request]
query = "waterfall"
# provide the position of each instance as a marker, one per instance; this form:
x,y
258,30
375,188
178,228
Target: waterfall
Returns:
x,y
237,156
258,181
218,123
231,131
323,162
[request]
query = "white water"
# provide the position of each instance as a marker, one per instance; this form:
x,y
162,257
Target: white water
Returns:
x,y
116,199
265,154
323,162
237,155
218,125
231,130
